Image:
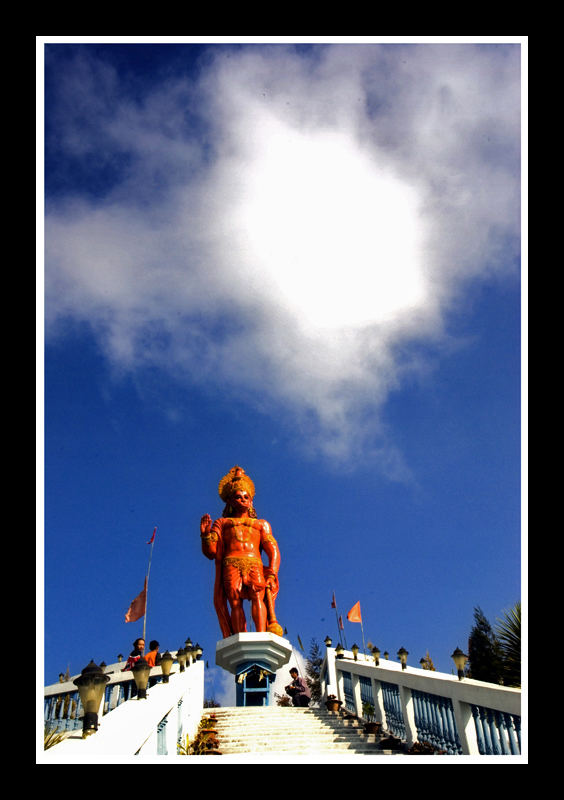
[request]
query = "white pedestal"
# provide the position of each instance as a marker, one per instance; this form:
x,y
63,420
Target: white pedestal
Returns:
x,y
268,648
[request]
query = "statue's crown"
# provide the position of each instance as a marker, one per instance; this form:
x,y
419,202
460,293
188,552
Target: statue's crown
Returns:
x,y
235,479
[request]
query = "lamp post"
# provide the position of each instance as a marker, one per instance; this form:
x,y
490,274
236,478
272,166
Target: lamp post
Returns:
x,y
402,655
460,660
181,658
339,651
376,654
328,641
198,651
91,684
354,649
386,655
141,670
166,665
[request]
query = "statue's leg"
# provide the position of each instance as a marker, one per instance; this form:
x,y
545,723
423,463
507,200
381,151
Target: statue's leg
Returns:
x,y
234,591
238,619
258,609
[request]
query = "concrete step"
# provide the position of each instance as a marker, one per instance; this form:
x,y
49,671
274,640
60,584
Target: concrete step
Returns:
x,y
285,730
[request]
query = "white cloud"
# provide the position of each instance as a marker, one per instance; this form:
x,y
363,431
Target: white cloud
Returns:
x,y
330,215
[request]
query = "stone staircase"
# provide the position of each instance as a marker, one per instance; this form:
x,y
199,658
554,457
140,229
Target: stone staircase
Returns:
x,y
284,730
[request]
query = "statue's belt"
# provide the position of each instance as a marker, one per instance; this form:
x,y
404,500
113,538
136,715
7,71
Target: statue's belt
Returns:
x,y
242,561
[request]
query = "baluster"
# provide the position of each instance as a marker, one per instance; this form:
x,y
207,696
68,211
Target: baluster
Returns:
x,y
494,733
79,710
453,732
427,733
162,749
442,727
179,726
502,732
418,715
49,711
428,706
436,721
479,730
401,721
513,744
449,734
106,701
73,712
517,723
437,727
487,732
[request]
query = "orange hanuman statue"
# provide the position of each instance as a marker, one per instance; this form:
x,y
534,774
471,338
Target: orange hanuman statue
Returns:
x,y
235,542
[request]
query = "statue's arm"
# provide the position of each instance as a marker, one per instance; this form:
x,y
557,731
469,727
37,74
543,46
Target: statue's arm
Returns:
x,y
270,546
210,536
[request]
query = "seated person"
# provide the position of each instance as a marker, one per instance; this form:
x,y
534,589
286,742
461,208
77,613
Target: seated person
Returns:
x,y
298,690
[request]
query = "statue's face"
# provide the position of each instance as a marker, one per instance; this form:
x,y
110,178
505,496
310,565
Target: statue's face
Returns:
x,y
241,500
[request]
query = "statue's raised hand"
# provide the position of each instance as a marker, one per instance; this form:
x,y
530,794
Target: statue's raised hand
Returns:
x,y
205,524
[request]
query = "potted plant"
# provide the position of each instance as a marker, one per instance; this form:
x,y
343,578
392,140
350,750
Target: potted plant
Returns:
x,y
332,703
424,749
370,726
205,743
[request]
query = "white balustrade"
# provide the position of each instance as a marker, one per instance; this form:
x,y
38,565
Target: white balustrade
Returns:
x,y
151,726
465,717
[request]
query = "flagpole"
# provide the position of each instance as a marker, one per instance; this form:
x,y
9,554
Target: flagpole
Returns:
x,y
303,651
337,616
147,593
345,638
334,604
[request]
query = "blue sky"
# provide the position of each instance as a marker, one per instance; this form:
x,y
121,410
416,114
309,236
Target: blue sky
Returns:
x,y
305,260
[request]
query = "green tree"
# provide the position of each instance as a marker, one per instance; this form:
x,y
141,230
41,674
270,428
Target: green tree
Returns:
x,y
485,659
313,670
427,663
508,632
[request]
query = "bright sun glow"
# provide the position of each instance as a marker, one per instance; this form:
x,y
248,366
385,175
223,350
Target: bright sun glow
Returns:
x,y
336,237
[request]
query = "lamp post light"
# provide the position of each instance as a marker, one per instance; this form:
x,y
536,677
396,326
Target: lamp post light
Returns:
x,y
166,665
402,655
339,651
141,670
354,649
386,655
376,654
198,651
188,644
328,641
181,658
91,684
190,657
460,660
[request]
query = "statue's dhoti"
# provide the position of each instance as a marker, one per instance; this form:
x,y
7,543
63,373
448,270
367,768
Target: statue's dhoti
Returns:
x,y
243,576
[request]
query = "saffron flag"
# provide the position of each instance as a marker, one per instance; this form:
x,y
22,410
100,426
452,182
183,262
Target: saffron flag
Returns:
x,y
333,601
354,613
138,607
152,539
341,626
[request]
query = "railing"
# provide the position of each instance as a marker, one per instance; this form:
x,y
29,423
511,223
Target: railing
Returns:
x,y
465,717
128,726
62,706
